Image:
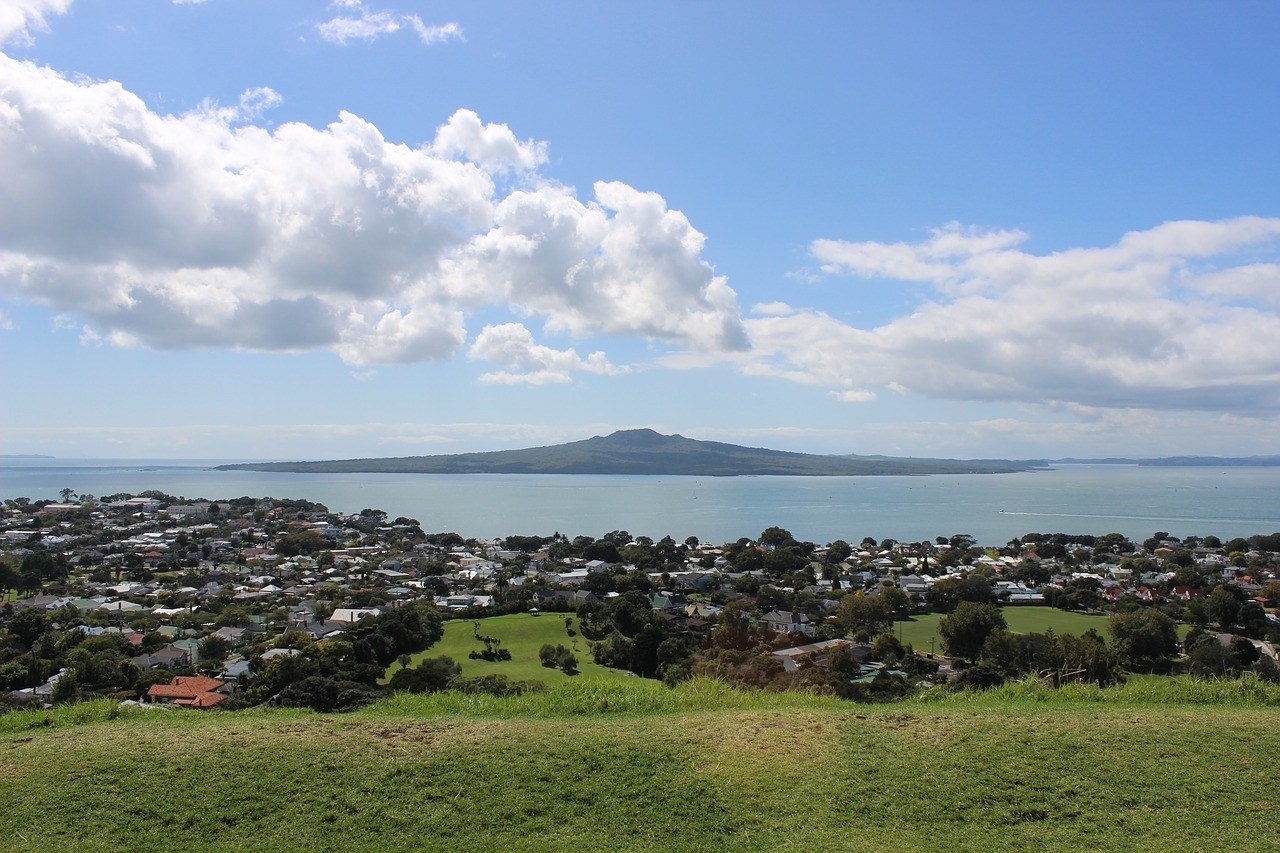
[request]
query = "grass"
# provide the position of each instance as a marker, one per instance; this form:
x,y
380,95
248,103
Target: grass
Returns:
x,y
523,634
702,767
921,631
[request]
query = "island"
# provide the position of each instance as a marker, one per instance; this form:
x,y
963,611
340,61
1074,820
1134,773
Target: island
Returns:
x,y
644,451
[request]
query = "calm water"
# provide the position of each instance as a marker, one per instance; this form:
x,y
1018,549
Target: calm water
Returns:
x,y
994,508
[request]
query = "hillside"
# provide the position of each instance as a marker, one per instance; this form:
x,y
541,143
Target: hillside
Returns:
x,y
643,451
699,768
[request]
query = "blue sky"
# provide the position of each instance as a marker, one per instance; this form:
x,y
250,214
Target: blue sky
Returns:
x,y
235,229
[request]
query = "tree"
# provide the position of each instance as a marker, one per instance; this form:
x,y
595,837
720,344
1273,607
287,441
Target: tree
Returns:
x,y
888,648
945,594
631,612
1198,611
214,648
863,615
1145,639
965,631
427,677
1214,660
838,551
1224,607
1246,652
776,537
896,601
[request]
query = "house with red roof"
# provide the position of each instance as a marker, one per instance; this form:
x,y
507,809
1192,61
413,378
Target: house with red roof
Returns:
x,y
189,691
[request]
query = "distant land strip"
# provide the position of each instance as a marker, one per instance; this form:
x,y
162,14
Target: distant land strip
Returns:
x,y
644,451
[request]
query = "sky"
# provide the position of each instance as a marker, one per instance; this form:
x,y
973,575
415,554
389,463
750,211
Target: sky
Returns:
x,y
234,229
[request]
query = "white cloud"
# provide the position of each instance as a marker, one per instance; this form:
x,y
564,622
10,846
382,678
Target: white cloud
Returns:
x,y
492,147
853,396
1167,318
430,34
20,18
1251,282
771,309
6,325
208,230
623,264
512,346
360,23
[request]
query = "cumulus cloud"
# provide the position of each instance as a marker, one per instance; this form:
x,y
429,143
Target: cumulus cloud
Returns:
x,y
19,19
357,22
1166,318
492,146
623,264
512,346
209,230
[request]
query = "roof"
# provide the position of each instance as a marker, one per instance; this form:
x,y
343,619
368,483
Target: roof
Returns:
x,y
186,687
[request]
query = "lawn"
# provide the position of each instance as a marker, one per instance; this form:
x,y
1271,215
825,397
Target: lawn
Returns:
x,y
701,771
523,634
921,631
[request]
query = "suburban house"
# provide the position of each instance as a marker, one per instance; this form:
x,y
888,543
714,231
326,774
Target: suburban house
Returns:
x,y
787,622
189,691
791,658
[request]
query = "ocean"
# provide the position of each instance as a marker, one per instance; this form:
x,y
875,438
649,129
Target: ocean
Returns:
x,y
1097,499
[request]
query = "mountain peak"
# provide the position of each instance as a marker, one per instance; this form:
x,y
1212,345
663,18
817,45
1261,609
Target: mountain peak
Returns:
x,y
637,437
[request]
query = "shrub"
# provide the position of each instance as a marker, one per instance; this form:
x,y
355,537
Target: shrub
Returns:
x,y
328,694
496,685
427,677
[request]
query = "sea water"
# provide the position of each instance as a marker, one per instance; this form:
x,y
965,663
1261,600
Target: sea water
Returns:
x,y
1128,499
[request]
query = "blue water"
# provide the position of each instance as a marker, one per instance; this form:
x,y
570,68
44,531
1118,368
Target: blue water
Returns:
x,y
994,508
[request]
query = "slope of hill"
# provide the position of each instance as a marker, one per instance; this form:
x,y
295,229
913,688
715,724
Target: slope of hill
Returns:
x,y
643,451
699,768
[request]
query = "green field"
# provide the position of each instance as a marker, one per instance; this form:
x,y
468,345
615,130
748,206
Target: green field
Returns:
x,y
920,631
697,768
523,634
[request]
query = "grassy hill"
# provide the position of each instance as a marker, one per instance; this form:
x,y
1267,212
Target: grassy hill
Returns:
x,y
643,451
523,635
702,767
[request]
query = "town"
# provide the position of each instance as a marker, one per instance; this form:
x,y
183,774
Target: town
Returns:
x,y
235,603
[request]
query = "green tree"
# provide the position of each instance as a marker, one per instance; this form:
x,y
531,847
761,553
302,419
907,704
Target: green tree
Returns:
x,y
427,677
214,649
863,616
1145,640
1224,607
964,632
896,601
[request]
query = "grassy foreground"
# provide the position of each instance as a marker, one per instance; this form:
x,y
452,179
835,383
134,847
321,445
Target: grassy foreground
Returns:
x,y
608,766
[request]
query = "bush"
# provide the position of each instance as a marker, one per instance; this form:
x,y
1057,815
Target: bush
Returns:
x,y
328,694
496,685
427,677
558,657
979,677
